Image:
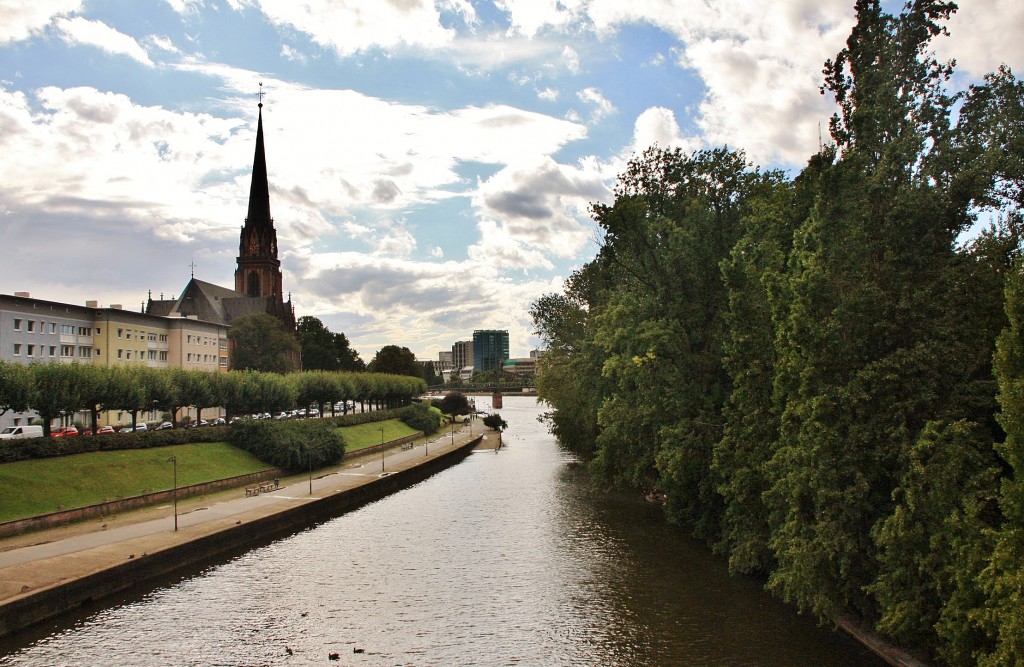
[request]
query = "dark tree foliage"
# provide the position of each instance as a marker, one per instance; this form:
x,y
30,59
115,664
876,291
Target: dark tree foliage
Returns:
x,y
453,403
494,421
805,367
325,350
396,361
260,343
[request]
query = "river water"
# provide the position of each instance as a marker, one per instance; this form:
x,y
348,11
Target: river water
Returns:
x,y
508,558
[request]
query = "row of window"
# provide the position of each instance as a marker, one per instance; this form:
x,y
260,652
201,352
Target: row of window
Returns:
x,y
151,355
66,351
205,340
29,326
152,337
201,358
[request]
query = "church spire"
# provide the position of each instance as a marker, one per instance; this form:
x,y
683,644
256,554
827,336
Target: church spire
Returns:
x,y
259,191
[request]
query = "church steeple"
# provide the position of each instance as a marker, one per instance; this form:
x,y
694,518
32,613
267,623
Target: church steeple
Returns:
x,y
259,270
259,191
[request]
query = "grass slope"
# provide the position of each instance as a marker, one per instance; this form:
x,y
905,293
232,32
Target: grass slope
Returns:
x,y
40,486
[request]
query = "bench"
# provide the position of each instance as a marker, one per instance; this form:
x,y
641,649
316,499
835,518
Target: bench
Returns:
x,y
262,487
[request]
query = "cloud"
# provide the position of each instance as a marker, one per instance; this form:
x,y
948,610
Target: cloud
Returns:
x,y
78,30
658,126
542,205
983,35
22,19
379,301
593,97
351,26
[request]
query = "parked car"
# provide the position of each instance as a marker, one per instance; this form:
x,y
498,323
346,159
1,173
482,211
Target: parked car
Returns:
x,y
21,432
64,432
105,430
283,415
164,425
219,421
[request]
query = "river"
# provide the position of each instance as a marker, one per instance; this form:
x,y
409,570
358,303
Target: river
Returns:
x,y
508,558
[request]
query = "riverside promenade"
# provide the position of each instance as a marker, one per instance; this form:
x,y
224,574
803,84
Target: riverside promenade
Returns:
x,y
47,573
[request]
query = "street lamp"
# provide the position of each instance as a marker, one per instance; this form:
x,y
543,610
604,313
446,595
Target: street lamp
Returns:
x,y
453,428
382,449
309,457
174,460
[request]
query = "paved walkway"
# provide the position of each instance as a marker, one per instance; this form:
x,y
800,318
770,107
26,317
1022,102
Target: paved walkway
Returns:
x,y
42,559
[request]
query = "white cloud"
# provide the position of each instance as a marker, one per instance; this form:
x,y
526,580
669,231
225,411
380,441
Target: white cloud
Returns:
x,y
983,35
162,43
571,59
658,126
548,95
593,97
288,53
185,6
350,26
23,19
78,30
378,301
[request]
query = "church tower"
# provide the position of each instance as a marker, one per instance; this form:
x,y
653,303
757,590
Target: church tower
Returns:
x,y
258,273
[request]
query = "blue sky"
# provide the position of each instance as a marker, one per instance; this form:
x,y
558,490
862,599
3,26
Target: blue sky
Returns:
x,y
431,162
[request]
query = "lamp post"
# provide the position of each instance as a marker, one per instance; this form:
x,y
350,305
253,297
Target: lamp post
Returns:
x,y
309,458
174,460
382,449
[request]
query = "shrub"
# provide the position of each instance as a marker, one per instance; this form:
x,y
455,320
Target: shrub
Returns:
x,y
292,445
421,417
495,422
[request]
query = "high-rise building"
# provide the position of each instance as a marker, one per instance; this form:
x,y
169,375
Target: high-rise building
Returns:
x,y
490,349
462,354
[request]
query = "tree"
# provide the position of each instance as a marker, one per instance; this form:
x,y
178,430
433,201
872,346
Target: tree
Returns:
x,y
396,361
57,391
260,343
325,350
866,345
454,403
16,387
495,422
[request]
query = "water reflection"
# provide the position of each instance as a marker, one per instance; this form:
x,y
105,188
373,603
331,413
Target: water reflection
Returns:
x,y
509,558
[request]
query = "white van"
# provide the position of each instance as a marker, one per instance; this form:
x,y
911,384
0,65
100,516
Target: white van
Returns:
x,y
19,432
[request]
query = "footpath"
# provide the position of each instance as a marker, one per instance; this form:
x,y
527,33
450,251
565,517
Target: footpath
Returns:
x,y
47,573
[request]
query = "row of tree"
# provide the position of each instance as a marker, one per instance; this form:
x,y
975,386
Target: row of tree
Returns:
x,y
55,390
804,366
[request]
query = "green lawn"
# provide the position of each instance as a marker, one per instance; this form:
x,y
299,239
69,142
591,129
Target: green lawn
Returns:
x,y
368,435
40,486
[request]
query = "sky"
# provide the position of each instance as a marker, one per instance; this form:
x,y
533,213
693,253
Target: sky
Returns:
x,y
432,163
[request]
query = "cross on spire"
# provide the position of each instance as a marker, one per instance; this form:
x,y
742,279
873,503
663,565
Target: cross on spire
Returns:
x,y
193,265
261,94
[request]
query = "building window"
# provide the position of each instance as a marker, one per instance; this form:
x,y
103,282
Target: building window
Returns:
x,y
53,327
85,352
163,356
53,350
120,333
67,350
120,354
17,324
31,326
17,349
30,351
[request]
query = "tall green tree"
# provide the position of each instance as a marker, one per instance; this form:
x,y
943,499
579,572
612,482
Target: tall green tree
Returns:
x,y
325,350
1003,613
16,387
260,343
396,361
865,345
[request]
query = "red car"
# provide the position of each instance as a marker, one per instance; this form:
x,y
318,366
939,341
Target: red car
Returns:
x,y
105,430
64,432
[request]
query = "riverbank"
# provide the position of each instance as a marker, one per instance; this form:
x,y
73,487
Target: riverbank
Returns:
x,y
49,573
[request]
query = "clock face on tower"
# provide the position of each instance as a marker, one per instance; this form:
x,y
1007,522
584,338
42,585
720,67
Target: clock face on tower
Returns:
x,y
254,246
273,248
